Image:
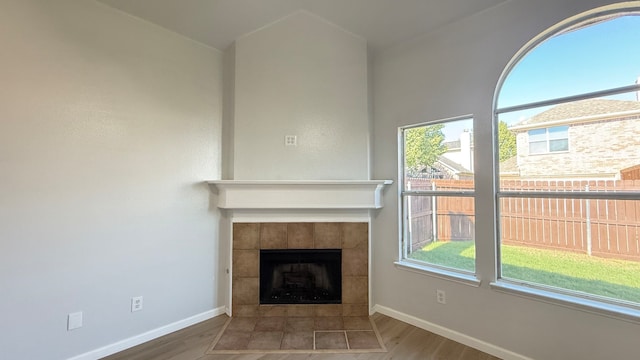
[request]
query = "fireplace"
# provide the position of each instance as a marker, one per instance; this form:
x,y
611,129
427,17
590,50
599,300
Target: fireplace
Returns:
x,y
349,239
298,214
301,276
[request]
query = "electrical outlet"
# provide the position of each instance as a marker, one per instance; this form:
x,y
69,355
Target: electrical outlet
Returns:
x,y
74,320
136,303
441,296
290,140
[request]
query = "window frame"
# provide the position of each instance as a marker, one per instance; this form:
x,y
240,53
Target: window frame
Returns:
x,y
547,140
423,267
585,302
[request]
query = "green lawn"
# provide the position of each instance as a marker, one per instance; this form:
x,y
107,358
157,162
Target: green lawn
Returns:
x,y
613,278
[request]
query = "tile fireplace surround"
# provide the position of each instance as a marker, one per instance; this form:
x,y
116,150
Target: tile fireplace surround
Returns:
x,y
293,214
250,238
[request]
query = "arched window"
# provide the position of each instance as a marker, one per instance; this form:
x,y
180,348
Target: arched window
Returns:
x,y
568,119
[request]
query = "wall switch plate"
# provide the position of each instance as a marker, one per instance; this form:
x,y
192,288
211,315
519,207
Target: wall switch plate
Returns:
x,y
74,320
136,303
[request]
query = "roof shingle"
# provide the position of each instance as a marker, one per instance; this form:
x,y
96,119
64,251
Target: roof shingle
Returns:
x,y
581,109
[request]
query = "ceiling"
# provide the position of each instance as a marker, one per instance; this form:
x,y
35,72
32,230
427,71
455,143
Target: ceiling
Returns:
x,y
382,23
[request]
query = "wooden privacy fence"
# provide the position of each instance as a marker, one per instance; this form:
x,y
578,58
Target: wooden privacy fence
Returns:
x,y
454,217
601,227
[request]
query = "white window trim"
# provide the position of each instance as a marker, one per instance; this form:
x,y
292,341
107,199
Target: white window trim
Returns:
x,y
547,141
618,309
423,268
420,267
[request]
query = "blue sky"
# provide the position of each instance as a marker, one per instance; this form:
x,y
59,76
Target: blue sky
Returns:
x,y
601,56
597,57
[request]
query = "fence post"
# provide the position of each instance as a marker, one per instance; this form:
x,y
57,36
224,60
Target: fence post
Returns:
x,y
588,222
434,215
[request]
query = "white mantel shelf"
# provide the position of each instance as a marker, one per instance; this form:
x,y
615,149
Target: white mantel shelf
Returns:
x,y
299,194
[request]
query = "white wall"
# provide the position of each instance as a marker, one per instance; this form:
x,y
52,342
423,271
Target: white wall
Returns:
x,y
301,76
454,72
108,126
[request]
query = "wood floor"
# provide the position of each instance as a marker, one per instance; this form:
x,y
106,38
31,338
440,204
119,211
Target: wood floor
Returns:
x,y
403,342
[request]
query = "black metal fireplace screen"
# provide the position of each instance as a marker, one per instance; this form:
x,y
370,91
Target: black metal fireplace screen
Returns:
x,y
301,276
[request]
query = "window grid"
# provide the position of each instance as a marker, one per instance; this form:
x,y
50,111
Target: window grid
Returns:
x,y
424,222
548,140
610,208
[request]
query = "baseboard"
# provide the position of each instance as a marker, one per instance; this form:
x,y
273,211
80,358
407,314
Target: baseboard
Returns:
x,y
148,336
450,334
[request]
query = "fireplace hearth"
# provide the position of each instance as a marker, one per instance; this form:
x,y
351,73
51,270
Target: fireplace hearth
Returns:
x,y
301,276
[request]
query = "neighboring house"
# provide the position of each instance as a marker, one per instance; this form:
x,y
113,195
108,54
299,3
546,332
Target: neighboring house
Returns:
x,y
582,139
451,169
457,161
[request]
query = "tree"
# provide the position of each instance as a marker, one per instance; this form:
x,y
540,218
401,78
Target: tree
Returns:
x,y
506,142
423,146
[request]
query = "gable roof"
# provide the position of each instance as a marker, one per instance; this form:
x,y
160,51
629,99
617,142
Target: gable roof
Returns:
x,y
452,145
582,110
455,144
452,165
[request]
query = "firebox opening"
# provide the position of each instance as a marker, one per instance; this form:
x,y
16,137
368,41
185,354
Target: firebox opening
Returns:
x,y
301,276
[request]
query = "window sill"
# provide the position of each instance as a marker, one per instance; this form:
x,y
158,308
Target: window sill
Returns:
x,y
619,312
465,279
548,153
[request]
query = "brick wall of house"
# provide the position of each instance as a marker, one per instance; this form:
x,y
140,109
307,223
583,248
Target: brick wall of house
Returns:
x,y
596,149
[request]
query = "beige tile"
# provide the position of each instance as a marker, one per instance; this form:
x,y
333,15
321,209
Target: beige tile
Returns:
x,y
327,235
246,263
245,310
362,340
233,340
355,309
355,290
328,310
250,237
332,340
355,235
273,236
273,310
300,236
246,324
298,341
246,236
273,323
329,323
295,324
265,340
355,262
300,310
245,291
357,323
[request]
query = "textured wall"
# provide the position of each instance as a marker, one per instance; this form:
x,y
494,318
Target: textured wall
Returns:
x,y
108,127
451,73
301,76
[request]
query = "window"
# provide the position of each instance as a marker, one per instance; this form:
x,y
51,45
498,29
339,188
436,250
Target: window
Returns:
x,y
542,141
437,196
569,224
